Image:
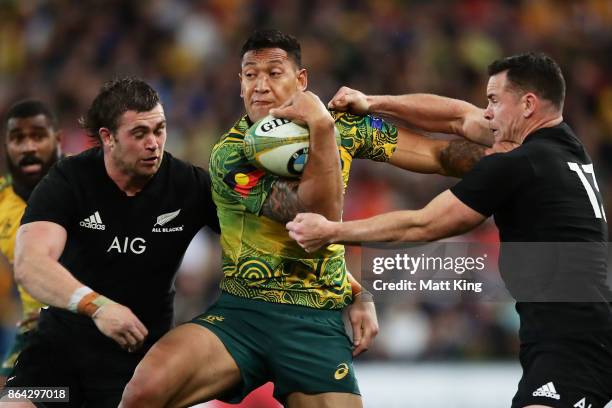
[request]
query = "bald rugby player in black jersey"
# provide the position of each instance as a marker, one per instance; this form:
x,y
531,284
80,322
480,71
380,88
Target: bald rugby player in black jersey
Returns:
x,y
100,242
547,206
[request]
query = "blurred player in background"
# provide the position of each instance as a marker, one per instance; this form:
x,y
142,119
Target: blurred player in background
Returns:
x,y
279,316
32,141
100,242
543,191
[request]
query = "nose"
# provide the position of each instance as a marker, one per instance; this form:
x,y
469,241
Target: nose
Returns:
x,y
151,142
261,84
488,113
28,145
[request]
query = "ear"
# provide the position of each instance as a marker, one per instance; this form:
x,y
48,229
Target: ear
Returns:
x,y
107,137
59,135
530,104
240,79
302,77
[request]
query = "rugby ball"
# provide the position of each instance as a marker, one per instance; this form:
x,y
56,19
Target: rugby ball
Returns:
x,y
279,146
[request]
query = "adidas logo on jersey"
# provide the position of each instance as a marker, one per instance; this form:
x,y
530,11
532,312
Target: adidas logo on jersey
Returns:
x,y
547,390
93,221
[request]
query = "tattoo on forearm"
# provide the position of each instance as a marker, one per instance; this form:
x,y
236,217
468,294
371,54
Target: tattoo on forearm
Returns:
x,y
283,203
460,156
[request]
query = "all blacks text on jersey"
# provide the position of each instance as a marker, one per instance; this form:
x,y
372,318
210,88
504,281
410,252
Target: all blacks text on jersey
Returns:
x,y
171,229
163,219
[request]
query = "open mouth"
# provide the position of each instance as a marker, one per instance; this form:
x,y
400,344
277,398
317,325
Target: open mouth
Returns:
x,y
30,165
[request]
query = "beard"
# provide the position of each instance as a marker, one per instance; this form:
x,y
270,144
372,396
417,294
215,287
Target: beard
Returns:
x,y
26,180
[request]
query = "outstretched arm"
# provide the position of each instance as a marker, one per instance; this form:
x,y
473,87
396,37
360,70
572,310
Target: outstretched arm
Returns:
x,y
422,154
432,113
320,189
444,216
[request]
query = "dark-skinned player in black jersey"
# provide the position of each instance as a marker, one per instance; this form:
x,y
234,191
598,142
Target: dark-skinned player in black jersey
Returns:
x,y
543,194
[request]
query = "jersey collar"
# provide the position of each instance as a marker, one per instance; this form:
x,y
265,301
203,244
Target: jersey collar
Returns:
x,y
153,188
547,131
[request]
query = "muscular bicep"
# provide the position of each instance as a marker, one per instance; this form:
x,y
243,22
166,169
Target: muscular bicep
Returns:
x,y
417,153
422,154
460,156
282,203
42,237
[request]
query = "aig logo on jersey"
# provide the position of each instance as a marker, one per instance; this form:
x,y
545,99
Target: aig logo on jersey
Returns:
x,y
127,244
165,219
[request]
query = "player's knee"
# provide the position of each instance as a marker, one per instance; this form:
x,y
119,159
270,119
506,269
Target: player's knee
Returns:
x,y
144,391
135,396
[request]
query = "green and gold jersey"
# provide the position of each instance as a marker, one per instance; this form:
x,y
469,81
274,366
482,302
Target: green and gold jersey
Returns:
x,y
260,260
11,210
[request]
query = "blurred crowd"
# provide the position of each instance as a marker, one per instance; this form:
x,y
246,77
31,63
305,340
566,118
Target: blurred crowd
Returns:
x,y
61,51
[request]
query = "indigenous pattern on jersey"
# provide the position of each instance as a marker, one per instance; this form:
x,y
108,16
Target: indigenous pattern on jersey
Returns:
x,y
260,260
11,210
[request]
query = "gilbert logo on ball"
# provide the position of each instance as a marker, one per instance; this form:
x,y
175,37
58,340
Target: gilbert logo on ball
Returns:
x,y
278,146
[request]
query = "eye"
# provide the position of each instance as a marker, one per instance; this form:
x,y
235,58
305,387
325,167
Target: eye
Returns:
x,y
38,136
249,75
16,138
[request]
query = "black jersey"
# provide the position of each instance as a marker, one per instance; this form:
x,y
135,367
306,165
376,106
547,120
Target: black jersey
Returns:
x,y
126,248
547,206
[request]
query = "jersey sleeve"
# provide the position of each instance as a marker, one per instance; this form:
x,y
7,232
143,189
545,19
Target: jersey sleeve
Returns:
x,y
209,210
235,181
53,199
366,137
493,181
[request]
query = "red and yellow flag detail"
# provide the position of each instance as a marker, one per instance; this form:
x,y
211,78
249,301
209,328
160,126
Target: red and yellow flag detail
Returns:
x,y
243,180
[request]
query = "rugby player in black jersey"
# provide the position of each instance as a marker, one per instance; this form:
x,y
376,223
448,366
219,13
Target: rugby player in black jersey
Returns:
x,y
100,242
542,192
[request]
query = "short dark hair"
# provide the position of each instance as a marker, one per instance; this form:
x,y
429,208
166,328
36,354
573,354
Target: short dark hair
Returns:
x,y
31,107
114,99
533,72
271,38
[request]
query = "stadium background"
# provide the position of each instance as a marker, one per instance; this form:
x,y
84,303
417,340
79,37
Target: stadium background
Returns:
x,y
449,354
